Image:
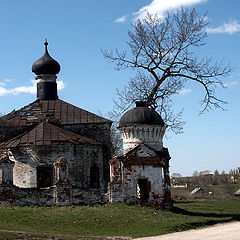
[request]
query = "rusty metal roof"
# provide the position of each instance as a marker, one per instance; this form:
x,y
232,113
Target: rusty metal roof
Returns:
x,y
47,134
53,111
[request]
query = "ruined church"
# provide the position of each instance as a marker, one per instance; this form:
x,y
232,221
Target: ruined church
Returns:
x,y
141,174
54,153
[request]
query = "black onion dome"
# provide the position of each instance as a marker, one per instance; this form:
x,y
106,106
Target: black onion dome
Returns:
x,y
46,64
141,114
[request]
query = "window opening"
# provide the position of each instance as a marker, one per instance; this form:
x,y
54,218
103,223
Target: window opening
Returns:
x,y
44,176
94,177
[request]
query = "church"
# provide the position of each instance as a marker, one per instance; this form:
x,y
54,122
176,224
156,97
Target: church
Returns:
x,y
54,153
141,174
51,152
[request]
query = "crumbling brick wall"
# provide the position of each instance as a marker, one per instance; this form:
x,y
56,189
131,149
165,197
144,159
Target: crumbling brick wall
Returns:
x,y
141,176
153,176
99,132
79,157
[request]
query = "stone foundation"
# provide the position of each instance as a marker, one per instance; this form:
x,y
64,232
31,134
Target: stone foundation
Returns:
x,y
61,195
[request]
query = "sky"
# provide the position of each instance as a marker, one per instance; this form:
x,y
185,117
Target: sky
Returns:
x,y
78,30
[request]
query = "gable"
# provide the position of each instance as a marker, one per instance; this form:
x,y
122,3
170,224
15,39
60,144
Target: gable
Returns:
x,y
143,151
143,155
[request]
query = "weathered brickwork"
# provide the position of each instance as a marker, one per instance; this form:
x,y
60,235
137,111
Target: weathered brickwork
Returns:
x,y
139,177
63,195
79,157
141,174
152,175
70,178
59,164
134,135
100,132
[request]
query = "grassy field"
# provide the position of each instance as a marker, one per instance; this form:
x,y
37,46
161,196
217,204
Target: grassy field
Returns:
x,y
218,191
112,220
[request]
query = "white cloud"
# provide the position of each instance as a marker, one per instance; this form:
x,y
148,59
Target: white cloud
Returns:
x,y
32,89
230,27
4,82
160,6
230,84
3,91
184,91
60,85
23,89
121,19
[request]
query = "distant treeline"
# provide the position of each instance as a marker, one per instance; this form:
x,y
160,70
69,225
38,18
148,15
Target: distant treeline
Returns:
x,y
205,178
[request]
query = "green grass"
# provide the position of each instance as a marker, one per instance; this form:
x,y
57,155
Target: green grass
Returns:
x,y
218,191
115,219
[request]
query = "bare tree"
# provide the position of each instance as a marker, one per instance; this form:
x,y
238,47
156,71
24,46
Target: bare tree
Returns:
x,y
195,173
116,140
162,52
176,175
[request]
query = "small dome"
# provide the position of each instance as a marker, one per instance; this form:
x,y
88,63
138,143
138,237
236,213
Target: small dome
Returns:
x,y
46,64
141,114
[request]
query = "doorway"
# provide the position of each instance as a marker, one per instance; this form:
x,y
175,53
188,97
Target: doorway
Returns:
x,y
143,189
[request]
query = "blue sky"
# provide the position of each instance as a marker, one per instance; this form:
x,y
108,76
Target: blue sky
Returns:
x,y
78,30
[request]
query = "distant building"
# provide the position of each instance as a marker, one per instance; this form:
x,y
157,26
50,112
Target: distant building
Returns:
x,y
141,174
205,173
52,152
197,190
175,185
237,193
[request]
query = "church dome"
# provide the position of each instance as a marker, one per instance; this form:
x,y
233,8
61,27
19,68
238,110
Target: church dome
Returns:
x,y
141,114
46,64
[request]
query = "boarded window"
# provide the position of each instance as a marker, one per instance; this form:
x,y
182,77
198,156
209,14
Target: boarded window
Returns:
x,y
44,176
142,189
94,177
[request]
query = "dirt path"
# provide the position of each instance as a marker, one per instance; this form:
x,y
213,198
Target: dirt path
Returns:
x,y
227,231
22,235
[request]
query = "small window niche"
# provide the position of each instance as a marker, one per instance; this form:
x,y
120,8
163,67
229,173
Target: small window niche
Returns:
x,y
94,177
44,176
